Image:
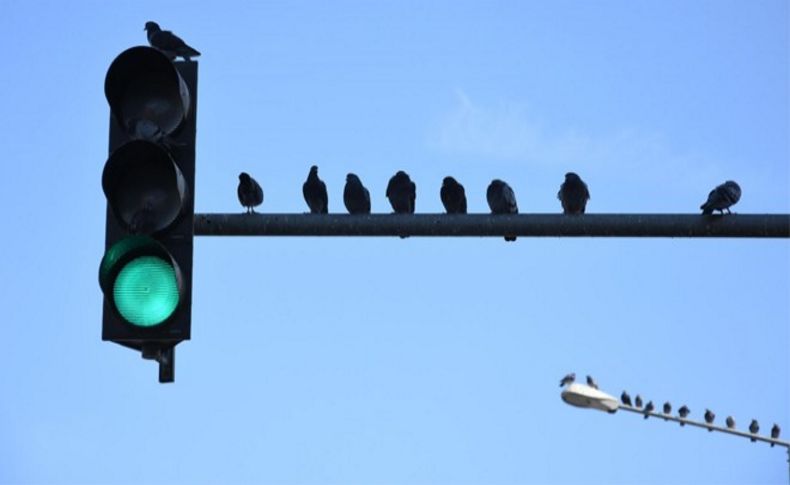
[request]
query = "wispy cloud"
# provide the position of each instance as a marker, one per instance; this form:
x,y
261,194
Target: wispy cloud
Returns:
x,y
507,132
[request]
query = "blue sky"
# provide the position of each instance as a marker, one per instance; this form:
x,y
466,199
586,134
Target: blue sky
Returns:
x,y
380,360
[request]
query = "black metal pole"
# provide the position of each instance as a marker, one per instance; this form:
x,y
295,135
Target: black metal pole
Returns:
x,y
546,225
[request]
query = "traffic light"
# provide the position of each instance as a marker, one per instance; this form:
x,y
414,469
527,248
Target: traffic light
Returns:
x,y
149,179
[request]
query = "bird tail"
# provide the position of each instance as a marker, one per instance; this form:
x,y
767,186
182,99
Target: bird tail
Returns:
x,y
647,415
682,423
510,238
753,440
710,430
192,51
772,445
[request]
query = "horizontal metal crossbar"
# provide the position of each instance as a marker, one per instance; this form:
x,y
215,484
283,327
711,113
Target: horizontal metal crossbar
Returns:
x,y
488,225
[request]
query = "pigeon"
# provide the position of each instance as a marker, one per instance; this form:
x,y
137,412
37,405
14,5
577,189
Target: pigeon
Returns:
x,y
401,192
649,409
709,417
591,382
730,422
169,43
683,412
453,196
625,398
721,198
667,409
754,428
573,194
249,192
356,196
568,379
314,191
775,430
502,200
638,401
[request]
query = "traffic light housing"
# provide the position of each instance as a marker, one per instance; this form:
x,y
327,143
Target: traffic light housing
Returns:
x,y
148,179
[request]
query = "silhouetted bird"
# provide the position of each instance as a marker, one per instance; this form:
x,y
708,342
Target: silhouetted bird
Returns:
x,y
709,417
568,379
754,428
626,399
721,198
501,200
356,196
683,412
649,408
249,192
453,196
573,194
402,193
667,409
730,422
169,43
638,401
591,382
314,191
775,433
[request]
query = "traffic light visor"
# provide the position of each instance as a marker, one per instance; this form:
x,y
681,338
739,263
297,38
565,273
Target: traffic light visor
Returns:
x,y
144,187
143,85
141,280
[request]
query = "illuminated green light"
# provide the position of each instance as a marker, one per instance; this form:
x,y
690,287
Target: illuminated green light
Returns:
x,y
146,291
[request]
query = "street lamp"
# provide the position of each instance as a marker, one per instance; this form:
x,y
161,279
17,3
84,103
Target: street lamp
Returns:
x,y
584,396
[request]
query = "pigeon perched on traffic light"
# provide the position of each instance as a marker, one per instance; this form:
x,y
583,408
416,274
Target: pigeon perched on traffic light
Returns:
x,y
356,196
568,379
169,43
721,198
730,422
683,412
314,191
709,417
638,401
591,382
453,196
649,407
667,409
775,430
402,193
754,428
501,200
625,398
573,194
249,192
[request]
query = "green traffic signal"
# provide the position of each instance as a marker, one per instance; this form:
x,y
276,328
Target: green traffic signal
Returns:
x,y
146,291
142,281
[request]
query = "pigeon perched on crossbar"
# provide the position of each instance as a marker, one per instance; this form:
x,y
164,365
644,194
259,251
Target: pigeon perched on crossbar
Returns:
x,y
169,43
722,198
625,398
402,193
502,200
667,409
573,194
249,192
683,412
775,433
754,428
709,417
314,191
453,196
356,196
730,422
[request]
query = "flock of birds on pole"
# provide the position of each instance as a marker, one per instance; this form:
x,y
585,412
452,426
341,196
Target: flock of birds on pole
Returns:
x,y
401,190
683,411
402,193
